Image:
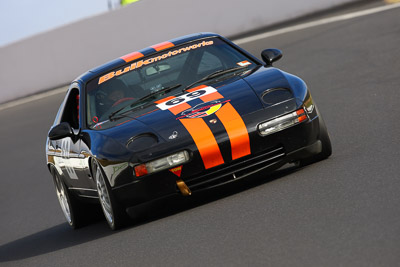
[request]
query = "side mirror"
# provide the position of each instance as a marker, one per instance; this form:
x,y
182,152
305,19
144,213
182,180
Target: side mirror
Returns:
x,y
60,131
271,55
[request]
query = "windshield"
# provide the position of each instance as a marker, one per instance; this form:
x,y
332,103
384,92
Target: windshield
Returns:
x,y
137,86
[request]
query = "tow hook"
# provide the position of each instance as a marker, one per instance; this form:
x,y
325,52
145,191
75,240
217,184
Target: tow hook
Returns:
x,y
183,188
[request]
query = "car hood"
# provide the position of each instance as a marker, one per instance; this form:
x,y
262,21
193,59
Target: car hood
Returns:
x,y
163,127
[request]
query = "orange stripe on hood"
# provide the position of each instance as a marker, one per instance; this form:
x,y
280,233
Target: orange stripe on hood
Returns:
x,y
164,99
211,97
179,108
236,129
176,109
206,98
205,141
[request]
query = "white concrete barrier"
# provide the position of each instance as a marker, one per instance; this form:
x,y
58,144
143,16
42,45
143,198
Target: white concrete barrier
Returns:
x,y
56,57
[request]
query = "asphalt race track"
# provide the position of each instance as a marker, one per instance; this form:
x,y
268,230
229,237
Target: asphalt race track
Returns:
x,y
344,211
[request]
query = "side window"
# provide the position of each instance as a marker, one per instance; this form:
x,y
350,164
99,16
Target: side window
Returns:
x,y
71,109
209,63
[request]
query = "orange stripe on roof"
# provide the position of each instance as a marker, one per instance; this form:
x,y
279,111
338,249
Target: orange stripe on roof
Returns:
x,y
162,46
205,142
179,108
132,56
236,129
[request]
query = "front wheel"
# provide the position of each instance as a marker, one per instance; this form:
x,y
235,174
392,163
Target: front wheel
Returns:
x,y
326,149
70,207
115,215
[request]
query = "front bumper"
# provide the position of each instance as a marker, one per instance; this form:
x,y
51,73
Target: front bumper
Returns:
x,y
268,154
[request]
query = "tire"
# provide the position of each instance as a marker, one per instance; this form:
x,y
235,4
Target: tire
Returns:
x,y
114,213
73,211
326,149
325,140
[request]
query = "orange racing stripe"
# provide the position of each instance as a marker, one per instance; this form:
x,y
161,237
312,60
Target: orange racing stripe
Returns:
x,y
196,88
236,129
132,56
162,46
205,141
179,108
164,99
176,109
209,97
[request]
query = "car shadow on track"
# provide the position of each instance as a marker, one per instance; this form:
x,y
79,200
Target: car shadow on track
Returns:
x,y
163,208
52,239
62,236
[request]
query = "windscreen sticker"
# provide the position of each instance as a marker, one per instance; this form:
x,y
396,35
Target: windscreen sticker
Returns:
x,y
186,98
141,63
244,63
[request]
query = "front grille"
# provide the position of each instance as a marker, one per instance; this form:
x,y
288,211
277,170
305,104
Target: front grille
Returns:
x,y
236,170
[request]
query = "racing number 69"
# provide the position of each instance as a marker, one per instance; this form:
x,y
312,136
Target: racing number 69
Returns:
x,y
185,98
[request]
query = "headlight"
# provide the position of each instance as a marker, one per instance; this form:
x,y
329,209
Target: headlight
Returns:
x,y
283,122
162,163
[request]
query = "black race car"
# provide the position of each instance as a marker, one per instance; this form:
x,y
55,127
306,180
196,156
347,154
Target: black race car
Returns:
x,y
178,117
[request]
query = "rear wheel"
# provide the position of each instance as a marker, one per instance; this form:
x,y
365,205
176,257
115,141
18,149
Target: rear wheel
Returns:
x,y
115,215
70,207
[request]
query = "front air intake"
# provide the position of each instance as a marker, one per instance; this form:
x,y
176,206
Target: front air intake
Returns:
x,y
276,95
142,142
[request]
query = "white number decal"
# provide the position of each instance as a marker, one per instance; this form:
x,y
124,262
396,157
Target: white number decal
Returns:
x,y
65,147
186,98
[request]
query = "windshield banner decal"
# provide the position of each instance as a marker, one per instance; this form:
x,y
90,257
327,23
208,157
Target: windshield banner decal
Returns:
x,y
140,63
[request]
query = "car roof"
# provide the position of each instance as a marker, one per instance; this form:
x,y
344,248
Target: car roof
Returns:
x,y
143,52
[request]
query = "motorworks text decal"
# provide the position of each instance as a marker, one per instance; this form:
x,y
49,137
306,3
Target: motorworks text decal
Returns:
x,y
141,63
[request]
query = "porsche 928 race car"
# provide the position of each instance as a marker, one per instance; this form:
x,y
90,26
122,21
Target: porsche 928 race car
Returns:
x,y
178,117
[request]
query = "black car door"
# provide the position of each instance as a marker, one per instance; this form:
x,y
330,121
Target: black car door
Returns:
x,y
68,157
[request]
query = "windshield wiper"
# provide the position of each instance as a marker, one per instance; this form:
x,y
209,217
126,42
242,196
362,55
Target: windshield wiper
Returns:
x,y
158,92
213,75
112,115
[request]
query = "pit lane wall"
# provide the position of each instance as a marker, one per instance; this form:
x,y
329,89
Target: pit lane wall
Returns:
x,y
56,57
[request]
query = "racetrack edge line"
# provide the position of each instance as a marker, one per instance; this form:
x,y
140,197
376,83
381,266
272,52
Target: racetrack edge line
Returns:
x,y
239,41
315,23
